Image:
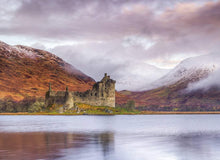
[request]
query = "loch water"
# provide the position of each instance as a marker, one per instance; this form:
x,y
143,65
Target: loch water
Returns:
x,y
120,137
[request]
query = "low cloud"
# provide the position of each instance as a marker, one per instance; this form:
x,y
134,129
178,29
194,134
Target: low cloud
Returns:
x,y
209,72
205,84
129,70
38,46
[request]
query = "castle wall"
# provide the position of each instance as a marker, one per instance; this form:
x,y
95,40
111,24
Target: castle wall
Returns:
x,y
102,94
55,98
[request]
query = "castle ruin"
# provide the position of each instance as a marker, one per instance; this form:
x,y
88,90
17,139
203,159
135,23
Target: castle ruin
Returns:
x,y
101,94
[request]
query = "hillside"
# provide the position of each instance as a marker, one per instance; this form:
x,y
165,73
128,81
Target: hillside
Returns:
x,y
175,90
25,71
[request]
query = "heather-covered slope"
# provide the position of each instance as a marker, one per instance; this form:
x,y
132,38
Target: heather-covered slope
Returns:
x,y
174,97
25,71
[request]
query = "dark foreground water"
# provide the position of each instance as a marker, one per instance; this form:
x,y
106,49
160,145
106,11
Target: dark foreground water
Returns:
x,y
139,137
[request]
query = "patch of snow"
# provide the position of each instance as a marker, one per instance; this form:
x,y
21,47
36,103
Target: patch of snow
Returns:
x,y
188,68
24,51
3,44
21,51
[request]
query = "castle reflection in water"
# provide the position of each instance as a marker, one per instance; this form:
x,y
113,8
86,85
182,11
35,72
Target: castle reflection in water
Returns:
x,y
49,145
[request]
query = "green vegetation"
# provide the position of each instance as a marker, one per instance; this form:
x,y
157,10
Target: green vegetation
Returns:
x,y
36,107
28,104
130,105
85,109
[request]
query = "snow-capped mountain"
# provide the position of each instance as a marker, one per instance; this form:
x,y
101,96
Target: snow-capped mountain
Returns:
x,y
190,69
19,50
193,85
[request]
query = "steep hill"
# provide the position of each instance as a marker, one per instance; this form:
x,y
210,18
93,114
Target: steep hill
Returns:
x,y
25,71
175,90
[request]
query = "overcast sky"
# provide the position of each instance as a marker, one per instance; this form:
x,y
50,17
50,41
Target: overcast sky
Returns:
x,y
135,41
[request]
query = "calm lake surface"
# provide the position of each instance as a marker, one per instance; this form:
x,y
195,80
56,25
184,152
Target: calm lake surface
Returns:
x,y
127,137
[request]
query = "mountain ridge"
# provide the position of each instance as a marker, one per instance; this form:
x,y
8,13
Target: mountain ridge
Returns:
x,y
26,71
187,68
173,94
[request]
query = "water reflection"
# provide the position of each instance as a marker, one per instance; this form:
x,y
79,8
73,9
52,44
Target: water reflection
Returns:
x,y
200,146
48,145
158,137
185,146
102,146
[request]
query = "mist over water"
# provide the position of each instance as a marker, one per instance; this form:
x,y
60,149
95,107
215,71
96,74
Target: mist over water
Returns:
x,y
158,137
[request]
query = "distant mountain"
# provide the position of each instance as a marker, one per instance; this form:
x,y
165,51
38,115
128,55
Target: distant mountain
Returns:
x,y
173,91
190,69
26,71
141,71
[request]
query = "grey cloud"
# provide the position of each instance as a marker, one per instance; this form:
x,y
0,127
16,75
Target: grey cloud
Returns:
x,y
95,18
183,28
188,31
120,62
207,83
38,46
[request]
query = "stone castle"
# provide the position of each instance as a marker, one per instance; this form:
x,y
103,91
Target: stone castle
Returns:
x,y
101,94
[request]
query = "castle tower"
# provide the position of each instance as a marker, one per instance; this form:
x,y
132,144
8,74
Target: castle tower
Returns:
x,y
67,90
107,91
68,99
49,87
49,94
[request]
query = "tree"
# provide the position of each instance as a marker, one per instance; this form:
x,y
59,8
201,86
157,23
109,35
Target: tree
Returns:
x,y
36,107
9,104
130,105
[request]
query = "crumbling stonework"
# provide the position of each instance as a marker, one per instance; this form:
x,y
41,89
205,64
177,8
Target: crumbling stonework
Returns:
x,y
102,94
